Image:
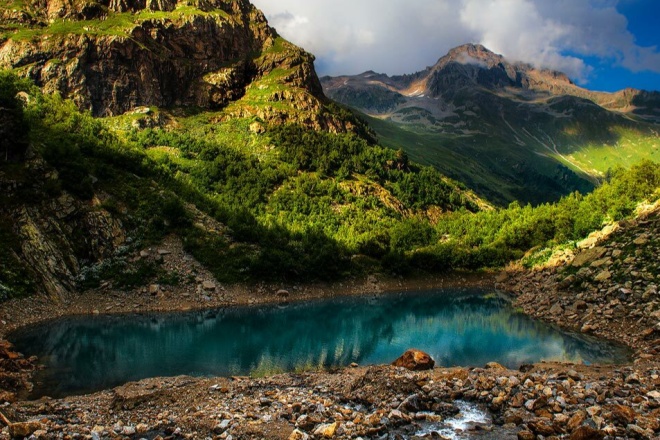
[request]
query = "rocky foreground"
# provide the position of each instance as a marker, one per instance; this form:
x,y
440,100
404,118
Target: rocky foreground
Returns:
x,y
607,287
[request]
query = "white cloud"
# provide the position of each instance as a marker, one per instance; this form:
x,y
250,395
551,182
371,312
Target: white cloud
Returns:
x,y
403,36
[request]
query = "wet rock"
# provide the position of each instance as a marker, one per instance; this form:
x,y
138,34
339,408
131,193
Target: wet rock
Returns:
x,y
412,404
415,360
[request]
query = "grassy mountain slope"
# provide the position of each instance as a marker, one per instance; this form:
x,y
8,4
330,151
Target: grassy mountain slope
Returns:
x,y
509,131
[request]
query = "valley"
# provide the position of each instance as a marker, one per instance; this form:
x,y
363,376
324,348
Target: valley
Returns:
x,y
507,130
182,156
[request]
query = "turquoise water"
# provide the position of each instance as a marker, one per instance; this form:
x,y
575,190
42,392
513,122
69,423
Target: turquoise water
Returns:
x,y
466,327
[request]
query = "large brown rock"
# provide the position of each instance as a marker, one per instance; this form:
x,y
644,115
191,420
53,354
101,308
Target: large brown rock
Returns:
x,y
623,414
23,429
587,433
415,360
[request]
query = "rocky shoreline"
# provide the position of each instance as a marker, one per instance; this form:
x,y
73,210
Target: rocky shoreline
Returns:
x,y
607,287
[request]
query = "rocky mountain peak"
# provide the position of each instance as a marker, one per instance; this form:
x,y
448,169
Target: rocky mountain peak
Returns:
x,y
473,54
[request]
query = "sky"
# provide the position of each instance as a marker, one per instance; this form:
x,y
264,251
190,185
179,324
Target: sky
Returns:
x,y
601,44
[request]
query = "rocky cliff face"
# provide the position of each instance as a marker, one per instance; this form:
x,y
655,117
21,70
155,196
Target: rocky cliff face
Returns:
x,y
56,236
111,56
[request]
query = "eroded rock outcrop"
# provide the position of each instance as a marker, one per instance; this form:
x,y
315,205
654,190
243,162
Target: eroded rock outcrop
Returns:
x,y
112,56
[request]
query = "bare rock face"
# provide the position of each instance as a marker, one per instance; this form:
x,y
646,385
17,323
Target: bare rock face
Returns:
x,y
415,360
116,55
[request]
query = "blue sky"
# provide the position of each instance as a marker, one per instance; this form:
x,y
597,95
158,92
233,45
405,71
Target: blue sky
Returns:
x,y
601,44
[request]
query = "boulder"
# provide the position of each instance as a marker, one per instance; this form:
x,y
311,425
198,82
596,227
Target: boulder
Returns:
x,y
23,429
415,360
586,257
623,414
326,430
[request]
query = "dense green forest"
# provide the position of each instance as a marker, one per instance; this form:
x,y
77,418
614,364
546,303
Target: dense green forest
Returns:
x,y
311,206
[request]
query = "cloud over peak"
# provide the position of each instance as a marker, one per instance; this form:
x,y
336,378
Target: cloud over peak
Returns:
x,y
400,36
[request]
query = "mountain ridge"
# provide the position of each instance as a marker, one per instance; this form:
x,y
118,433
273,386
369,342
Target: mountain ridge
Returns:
x,y
473,104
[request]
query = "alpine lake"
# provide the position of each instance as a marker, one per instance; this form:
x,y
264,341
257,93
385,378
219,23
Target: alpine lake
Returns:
x,y
466,327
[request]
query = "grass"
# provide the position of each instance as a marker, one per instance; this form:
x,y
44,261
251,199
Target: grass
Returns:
x,y
115,24
631,147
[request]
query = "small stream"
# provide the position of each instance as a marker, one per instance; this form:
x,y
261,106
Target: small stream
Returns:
x,y
467,327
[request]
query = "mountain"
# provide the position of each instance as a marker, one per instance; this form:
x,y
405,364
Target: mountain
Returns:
x,y
123,122
508,130
112,56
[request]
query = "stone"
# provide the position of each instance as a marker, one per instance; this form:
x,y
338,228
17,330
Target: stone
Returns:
x,y
603,276
623,414
567,282
494,366
163,252
412,404
641,432
653,394
298,435
283,293
208,285
576,420
24,429
541,427
326,430
154,289
580,306
556,309
587,433
415,360
586,257
539,403
526,435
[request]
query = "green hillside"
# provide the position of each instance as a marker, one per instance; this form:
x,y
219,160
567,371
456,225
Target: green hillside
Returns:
x,y
289,203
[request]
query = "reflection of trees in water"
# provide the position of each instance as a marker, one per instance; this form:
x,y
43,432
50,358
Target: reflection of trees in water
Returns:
x,y
458,329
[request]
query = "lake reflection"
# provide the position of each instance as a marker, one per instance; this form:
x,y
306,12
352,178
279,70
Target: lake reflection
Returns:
x,y
468,328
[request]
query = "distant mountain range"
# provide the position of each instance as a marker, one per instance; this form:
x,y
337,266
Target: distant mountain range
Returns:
x,y
508,130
